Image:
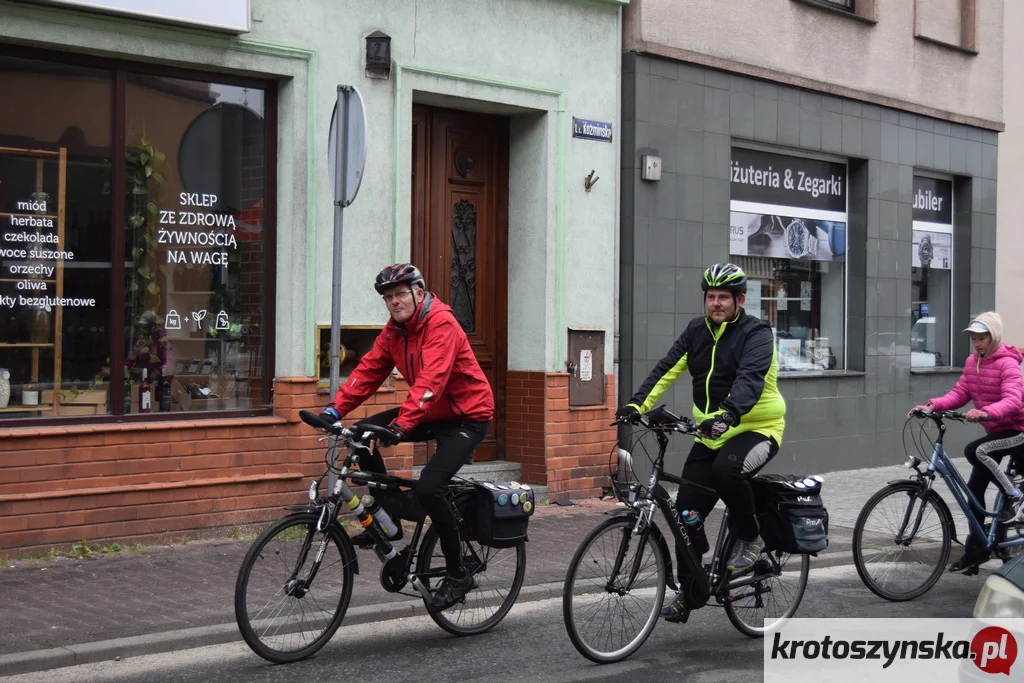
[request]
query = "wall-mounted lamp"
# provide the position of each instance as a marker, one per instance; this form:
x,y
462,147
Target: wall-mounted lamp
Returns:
x,y
378,55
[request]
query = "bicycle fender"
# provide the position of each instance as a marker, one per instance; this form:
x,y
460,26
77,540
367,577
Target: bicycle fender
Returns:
x,y
940,505
659,538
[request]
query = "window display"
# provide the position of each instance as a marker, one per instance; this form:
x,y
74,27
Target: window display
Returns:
x,y
188,216
788,232
931,273
55,237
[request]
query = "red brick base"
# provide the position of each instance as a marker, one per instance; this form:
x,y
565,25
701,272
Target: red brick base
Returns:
x,y
566,449
103,482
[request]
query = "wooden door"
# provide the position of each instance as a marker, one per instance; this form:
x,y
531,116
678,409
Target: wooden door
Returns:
x,y
460,237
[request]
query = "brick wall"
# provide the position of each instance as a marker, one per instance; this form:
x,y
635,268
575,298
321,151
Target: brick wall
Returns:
x,y
525,424
151,480
60,485
566,449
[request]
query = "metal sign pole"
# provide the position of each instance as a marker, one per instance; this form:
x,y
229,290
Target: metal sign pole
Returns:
x,y
340,201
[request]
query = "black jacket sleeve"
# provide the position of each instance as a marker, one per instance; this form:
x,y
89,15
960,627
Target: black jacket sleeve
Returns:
x,y
756,360
664,374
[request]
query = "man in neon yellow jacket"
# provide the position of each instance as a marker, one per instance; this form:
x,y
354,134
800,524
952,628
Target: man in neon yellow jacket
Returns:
x,y
736,404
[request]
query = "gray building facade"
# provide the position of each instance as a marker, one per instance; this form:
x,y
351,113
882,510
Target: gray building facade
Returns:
x,y
691,122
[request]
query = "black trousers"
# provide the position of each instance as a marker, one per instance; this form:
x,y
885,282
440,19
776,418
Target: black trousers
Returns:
x,y
456,442
984,454
709,475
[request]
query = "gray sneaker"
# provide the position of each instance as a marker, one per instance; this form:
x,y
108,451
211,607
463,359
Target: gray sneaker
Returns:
x,y
676,611
745,555
1013,511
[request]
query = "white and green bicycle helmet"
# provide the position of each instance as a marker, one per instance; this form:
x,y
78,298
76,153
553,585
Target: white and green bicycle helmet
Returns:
x,y
726,276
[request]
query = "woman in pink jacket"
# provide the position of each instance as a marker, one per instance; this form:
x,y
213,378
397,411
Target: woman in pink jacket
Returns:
x,y
992,379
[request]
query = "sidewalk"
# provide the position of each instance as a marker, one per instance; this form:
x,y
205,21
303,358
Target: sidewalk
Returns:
x,y
64,612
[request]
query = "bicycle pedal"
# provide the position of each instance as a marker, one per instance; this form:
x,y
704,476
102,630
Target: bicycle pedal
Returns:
x,y
678,618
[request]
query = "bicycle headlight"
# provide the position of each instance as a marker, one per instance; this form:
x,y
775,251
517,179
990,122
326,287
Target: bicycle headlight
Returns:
x,y
313,489
999,599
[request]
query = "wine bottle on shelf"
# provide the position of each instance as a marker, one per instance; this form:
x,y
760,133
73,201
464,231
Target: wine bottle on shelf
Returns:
x,y
165,395
145,395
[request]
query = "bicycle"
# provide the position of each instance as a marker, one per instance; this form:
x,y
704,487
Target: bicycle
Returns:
x,y
637,574
293,589
926,525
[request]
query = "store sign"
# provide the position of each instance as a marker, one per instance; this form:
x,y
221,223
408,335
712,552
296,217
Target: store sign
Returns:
x,y
784,206
231,16
933,223
591,130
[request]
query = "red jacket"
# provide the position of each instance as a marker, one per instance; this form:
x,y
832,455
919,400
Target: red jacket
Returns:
x,y
433,354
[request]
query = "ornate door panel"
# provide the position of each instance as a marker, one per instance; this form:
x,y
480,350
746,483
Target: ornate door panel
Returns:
x,y
460,236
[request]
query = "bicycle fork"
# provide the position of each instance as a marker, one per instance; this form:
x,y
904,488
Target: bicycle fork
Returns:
x,y
906,540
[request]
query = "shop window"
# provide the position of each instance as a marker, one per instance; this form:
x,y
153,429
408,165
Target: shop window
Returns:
x,y
932,273
178,320
55,237
788,232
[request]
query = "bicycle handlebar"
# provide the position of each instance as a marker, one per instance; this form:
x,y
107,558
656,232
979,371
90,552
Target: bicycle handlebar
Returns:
x,y
349,436
661,420
937,415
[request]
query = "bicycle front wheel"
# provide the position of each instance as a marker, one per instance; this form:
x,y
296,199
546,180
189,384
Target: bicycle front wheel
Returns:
x,y
768,594
497,573
609,617
901,542
286,611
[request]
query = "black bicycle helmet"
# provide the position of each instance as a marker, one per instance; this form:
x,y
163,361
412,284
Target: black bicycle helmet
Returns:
x,y
726,276
399,274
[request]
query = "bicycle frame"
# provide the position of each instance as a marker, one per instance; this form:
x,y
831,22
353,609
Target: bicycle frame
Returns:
x,y
968,502
332,504
708,578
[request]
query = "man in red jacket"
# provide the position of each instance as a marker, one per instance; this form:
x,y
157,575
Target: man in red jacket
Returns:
x,y
450,401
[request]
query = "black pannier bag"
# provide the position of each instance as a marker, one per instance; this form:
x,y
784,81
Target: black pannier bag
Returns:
x,y
790,513
503,513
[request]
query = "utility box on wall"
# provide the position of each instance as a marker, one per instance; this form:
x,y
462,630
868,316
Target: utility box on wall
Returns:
x,y
586,368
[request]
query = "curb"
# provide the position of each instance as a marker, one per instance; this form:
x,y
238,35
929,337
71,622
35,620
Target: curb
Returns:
x,y
220,634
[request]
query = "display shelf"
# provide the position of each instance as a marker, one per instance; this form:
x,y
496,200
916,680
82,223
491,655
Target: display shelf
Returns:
x,y
57,319
28,409
27,215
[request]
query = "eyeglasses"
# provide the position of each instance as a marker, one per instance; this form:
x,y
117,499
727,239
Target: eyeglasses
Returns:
x,y
405,293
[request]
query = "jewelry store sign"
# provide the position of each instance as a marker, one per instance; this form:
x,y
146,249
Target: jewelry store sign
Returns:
x,y
933,223
784,206
229,16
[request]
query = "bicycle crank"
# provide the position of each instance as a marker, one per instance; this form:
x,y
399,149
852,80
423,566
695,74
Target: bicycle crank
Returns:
x,y
393,573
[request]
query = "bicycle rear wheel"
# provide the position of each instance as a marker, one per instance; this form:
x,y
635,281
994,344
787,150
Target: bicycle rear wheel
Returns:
x,y
497,573
770,593
284,612
595,604
894,560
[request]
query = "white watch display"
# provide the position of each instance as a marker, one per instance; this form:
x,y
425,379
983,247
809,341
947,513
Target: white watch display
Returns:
x,y
801,240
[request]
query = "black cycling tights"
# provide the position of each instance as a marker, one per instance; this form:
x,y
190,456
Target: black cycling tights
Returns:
x,y
456,442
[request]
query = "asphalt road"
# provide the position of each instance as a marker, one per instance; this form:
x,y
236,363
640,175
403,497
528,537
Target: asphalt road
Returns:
x,y
530,645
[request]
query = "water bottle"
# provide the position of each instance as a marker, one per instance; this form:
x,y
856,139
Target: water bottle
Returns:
x,y
384,520
695,530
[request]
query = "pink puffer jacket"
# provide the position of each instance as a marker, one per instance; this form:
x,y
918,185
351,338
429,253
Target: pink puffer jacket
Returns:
x,y
995,387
